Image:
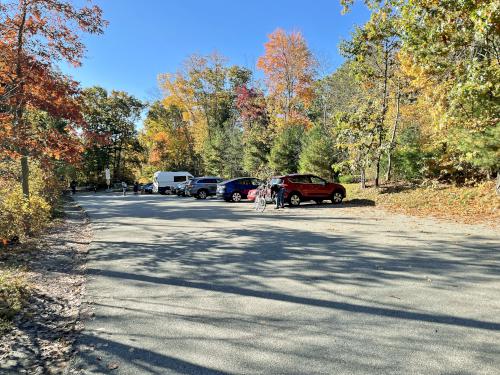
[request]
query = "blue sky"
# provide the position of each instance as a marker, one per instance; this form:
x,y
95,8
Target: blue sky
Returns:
x,y
148,37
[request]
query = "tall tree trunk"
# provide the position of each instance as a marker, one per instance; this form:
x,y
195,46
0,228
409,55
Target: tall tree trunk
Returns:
x,y
393,137
377,164
19,111
382,116
363,178
119,160
25,176
324,112
123,166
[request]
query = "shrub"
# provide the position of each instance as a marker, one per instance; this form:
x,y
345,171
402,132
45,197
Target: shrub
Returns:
x,y
45,184
20,217
13,294
348,179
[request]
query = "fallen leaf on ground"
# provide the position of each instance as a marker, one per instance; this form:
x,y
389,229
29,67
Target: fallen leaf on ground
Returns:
x,y
113,366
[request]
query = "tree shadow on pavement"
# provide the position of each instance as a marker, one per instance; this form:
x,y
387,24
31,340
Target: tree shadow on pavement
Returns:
x,y
130,359
202,268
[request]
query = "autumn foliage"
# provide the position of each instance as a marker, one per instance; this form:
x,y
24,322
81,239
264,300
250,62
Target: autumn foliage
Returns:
x,y
40,110
289,67
34,36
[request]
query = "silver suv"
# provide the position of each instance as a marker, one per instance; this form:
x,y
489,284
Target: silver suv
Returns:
x,y
202,187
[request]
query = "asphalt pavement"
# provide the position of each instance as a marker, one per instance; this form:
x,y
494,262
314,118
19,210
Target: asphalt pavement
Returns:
x,y
182,286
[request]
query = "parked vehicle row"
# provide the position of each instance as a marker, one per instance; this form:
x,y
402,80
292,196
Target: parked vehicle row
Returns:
x,y
202,187
298,188
237,189
166,182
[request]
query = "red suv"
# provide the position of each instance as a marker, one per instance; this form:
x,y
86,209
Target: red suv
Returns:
x,y
307,187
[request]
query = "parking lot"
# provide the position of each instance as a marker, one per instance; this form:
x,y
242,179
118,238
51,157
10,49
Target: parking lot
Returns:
x,y
186,286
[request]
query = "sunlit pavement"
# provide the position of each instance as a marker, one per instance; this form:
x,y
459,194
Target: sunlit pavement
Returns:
x,y
181,286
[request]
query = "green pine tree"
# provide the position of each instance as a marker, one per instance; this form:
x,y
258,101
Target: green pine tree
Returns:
x,y
223,154
318,153
256,150
285,152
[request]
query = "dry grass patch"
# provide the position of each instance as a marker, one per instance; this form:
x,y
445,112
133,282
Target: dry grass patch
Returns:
x,y
471,205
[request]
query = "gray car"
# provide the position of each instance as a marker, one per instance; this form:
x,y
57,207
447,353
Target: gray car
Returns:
x,y
203,187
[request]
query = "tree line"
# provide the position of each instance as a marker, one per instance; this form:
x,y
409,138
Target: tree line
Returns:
x,y
416,98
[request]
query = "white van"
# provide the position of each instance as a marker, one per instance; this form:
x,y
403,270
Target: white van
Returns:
x,y
166,181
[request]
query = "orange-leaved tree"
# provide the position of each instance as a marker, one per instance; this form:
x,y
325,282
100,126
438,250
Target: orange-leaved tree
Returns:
x,y
34,36
289,67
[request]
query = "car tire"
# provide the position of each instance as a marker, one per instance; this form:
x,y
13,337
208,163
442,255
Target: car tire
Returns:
x,y
294,199
236,197
202,194
337,197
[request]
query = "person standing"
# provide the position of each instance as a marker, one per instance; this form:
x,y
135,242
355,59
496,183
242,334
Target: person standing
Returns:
x,y
279,189
124,188
72,185
136,188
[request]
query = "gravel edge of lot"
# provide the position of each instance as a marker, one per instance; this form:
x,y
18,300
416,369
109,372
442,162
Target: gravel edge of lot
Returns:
x,y
41,340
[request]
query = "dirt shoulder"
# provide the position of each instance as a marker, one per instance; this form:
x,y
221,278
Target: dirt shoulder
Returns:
x,y
470,205
40,336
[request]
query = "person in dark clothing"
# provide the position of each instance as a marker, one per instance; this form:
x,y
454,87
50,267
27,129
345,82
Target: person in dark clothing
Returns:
x,y
72,185
280,197
136,187
278,191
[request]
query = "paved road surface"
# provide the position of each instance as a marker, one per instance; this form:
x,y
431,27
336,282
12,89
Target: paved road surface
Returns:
x,y
181,286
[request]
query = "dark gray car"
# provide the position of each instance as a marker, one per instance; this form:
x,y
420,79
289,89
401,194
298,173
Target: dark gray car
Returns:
x,y
203,187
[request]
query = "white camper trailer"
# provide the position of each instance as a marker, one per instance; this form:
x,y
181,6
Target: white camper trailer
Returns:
x,y
164,182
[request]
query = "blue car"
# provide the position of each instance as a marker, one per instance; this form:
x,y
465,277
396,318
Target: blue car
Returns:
x,y
237,189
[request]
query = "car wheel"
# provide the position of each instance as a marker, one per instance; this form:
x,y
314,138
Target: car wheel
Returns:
x,y
202,194
236,197
294,199
337,197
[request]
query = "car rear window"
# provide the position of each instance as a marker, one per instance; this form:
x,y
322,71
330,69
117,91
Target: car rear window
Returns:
x,y
317,180
301,179
276,181
179,178
208,181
